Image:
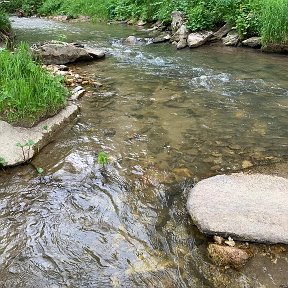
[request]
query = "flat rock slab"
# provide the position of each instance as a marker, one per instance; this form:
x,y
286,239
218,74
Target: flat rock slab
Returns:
x,y
245,207
63,53
41,135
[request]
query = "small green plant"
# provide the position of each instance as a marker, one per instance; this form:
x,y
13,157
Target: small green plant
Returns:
x,y
39,170
3,162
28,144
103,158
45,128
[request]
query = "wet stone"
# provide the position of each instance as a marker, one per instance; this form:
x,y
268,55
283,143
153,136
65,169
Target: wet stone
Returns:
x,y
227,256
245,207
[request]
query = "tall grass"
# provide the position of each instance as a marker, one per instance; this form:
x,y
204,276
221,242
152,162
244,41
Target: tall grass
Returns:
x,y
274,21
4,21
27,92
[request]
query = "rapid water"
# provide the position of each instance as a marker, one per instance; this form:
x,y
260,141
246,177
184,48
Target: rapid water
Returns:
x,y
167,119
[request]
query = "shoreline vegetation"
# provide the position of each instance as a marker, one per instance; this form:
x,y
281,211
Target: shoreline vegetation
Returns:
x,y
264,18
28,93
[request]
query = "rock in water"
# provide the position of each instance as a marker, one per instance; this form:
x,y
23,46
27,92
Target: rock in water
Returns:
x,y
227,256
63,53
199,38
245,207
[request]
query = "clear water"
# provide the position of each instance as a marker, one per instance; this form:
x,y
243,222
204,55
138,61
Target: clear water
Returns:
x,y
167,118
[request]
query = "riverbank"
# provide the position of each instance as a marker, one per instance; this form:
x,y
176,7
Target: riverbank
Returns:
x,y
35,99
249,19
168,119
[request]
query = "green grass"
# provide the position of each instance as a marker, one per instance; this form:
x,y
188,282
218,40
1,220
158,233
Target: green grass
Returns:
x,y
274,19
27,92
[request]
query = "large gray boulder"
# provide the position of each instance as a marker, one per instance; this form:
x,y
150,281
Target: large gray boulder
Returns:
x,y
245,207
63,53
199,38
38,136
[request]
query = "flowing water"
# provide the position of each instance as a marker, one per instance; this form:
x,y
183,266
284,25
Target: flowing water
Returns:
x,y
167,119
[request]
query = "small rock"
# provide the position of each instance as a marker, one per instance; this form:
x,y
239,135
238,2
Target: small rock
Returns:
x,y
253,42
63,68
131,40
197,39
218,239
232,39
227,256
230,242
97,84
162,38
246,164
141,23
77,92
61,73
182,44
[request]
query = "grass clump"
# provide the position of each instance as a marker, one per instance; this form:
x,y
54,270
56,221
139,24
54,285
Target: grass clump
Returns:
x,y
27,92
274,21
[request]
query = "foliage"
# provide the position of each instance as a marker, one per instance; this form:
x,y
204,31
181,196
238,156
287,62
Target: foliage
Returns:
x,y
103,158
2,162
28,93
274,21
28,144
250,17
4,21
29,7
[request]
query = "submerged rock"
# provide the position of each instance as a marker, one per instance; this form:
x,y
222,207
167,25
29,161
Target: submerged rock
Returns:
x,y
246,207
227,256
197,39
162,37
131,40
63,53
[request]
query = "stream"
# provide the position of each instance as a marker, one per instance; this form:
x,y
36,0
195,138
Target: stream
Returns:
x,y
167,119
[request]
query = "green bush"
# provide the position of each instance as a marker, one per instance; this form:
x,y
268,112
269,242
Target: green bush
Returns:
x,y
28,93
